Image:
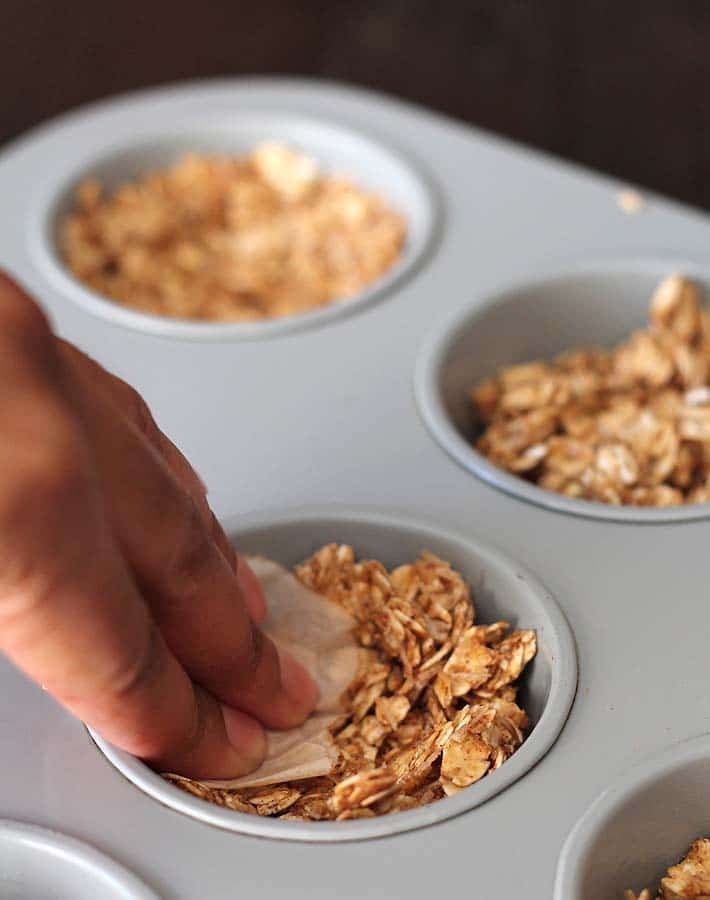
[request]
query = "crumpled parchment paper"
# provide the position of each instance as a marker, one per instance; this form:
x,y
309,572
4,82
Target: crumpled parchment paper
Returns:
x,y
319,634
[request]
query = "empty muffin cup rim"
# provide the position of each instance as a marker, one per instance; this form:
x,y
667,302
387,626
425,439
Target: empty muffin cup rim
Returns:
x,y
89,861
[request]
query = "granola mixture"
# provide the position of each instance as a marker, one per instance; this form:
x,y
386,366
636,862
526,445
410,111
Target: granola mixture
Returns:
x,y
689,879
433,708
231,239
629,425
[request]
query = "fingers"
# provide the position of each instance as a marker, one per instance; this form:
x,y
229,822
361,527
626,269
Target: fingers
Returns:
x,y
70,614
129,404
194,594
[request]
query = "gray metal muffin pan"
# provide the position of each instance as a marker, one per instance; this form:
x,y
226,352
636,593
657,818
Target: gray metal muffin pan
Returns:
x,y
327,416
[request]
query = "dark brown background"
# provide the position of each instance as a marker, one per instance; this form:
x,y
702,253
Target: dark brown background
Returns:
x,y
618,85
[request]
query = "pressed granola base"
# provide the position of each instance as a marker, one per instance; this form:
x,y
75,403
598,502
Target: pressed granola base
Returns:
x,y
231,239
689,880
629,425
433,708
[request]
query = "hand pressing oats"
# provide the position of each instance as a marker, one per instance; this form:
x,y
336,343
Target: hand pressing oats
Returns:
x,y
119,591
431,710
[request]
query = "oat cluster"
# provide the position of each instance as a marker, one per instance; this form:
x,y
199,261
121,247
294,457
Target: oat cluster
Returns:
x,y
624,426
432,709
689,880
231,239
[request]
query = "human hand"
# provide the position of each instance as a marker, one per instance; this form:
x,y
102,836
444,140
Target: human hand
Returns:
x,y
119,592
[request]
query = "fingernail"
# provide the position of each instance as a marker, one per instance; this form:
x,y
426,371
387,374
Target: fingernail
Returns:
x,y
246,736
296,681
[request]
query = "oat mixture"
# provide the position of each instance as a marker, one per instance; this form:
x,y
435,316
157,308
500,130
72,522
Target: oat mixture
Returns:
x,y
232,239
624,426
689,880
433,708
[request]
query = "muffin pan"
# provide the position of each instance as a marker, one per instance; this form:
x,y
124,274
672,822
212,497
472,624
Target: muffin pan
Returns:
x,y
325,418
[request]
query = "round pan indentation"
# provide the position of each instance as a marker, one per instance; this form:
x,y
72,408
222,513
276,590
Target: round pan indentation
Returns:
x,y
589,304
642,824
501,589
338,150
39,863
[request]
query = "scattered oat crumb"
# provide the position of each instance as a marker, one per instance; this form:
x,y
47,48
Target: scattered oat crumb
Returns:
x,y
689,880
629,425
231,239
630,201
433,708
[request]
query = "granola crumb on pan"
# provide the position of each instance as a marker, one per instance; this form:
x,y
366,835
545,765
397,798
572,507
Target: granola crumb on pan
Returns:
x,y
689,880
629,425
231,238
630,201
432,709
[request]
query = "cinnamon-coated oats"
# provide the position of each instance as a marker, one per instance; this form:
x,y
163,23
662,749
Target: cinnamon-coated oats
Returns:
x,y
625,426
231,239
689,880
432,709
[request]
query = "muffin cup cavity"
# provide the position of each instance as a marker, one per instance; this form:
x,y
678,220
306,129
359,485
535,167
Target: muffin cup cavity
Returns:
x,y
501,589
337,150
596,304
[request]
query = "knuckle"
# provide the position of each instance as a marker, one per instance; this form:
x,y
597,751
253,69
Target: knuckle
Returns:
x,y
54,468
193,739
49,476
256,660
171,748
192,547
133,679
136,672
47,489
